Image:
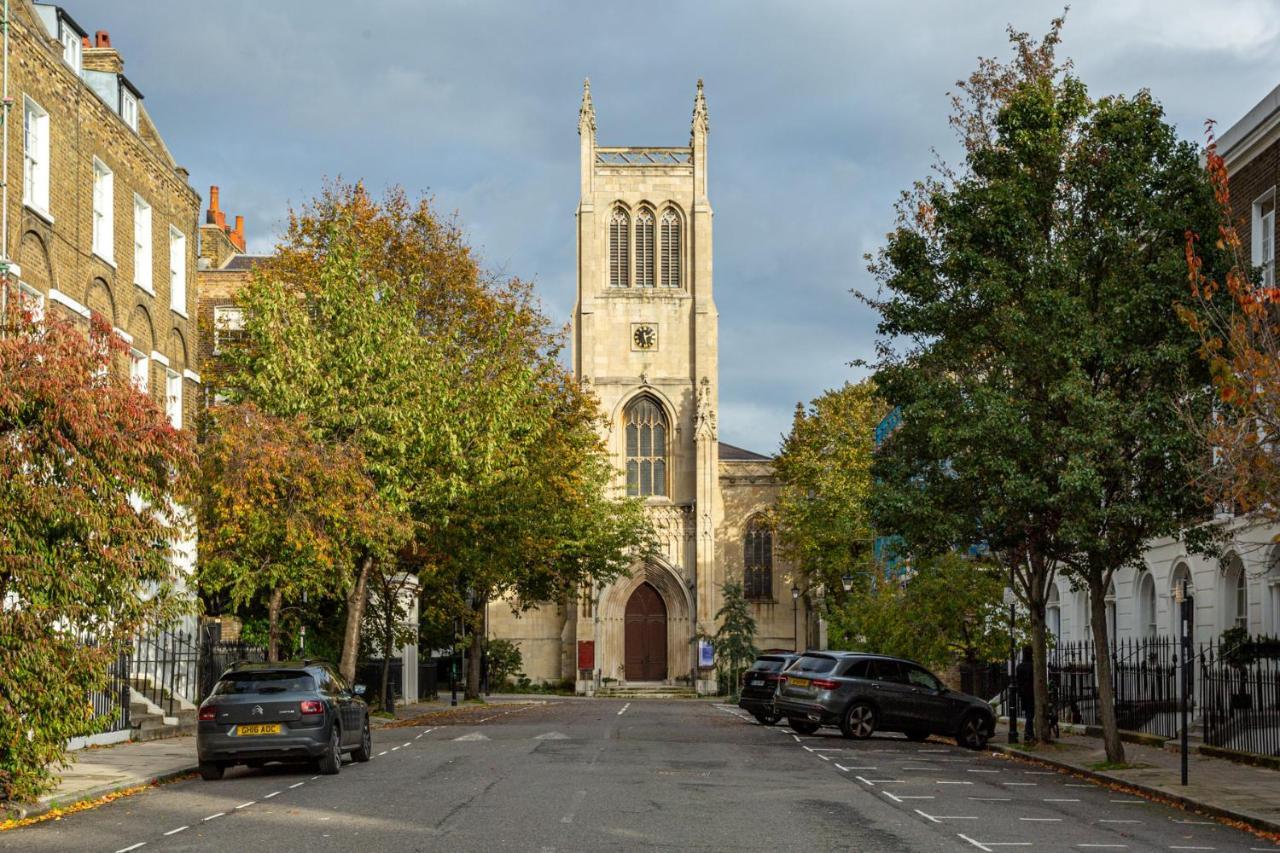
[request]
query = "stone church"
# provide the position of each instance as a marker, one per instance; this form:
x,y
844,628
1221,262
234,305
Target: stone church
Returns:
x,y
645,339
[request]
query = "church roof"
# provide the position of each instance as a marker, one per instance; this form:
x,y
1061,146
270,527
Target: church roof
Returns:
x,y
729,453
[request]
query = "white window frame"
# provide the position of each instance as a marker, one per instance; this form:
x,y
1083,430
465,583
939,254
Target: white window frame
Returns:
x,y
72,49
1263,242
177,271
35,156
29,296
142,245
226,318
140,370
103,211
1240,593
173,396
129,108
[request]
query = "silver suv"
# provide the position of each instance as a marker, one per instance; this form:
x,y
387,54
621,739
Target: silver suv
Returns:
x,y
864,693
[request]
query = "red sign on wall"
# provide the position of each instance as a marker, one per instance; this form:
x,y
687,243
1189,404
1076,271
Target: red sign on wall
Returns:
x,y
586,654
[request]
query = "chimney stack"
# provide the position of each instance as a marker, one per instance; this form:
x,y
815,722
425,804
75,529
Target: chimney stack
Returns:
x,y
237,236
102,39
211,215
101,56
232,239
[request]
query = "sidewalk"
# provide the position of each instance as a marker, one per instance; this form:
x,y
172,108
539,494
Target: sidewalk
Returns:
x,y
1215,786
96,772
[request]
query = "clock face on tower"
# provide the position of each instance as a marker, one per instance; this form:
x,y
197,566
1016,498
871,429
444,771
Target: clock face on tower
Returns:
x,y
644,336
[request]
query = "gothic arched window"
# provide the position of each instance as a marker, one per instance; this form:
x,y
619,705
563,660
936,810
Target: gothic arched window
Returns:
x,y
757,577
644,248
619,248
670,236
646,449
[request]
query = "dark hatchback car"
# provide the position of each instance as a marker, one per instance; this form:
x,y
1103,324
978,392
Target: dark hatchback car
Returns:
x,y
760,685
288,711
864,693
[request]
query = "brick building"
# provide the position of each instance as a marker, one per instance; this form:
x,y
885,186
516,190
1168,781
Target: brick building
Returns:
x,y
223,269
99,216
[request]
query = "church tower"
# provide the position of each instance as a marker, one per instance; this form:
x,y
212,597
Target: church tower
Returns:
x,y
645,340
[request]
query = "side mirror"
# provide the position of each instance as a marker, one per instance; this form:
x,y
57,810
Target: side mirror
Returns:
x,y
358,689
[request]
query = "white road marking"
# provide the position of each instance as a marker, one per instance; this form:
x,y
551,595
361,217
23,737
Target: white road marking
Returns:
x,y
888,781
940,818
857,767
892,796
864,781
1195,822
314,778
624,709
1104,846
1127,801
975,843
916,797
1078,785
1040,772
380,754
1119,821
297,784
1060,800
578,797
1176,847
272,794
211,817
825,757
982,771
992,799
406,743
134,847
1042,819
927,816
1020,784
176,831
950,782
246,805
394,748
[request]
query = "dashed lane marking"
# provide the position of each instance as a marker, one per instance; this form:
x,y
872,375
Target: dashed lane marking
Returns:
x,y
1183,847
406,743
395,748
380,754
916,797
176,831
856,767
1116,820
892,796
297,784
245,805
982,771
987,846
824,757
950,782
1127,801
1104,846
1020,784
1041,819
992,799
1060,800
626,706
211,817
1194,822
272,794
131,847
940,818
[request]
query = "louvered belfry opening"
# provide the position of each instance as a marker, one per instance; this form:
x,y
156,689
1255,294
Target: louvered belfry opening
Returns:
x,y
670,237
619,249
757,581
644,249
646,449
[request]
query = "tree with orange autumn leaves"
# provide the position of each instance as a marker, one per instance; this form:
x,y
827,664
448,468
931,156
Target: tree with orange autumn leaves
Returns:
x,y
375,322
90,473
1237,317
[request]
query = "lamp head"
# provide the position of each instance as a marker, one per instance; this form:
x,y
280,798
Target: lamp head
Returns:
x,y
795,591
847,582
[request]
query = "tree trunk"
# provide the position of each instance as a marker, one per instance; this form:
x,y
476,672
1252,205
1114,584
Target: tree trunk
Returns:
x,y
273,625
1102,670
356,597
1040,673
475,655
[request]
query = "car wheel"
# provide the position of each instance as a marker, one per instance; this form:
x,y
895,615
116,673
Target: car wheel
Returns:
x,y
859,721
211,771
364,751
804,727
767,718
331,762
917,735
973,732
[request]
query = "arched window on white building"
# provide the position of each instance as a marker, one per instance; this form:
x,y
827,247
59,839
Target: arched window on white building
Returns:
x,y
1053,614
1181,574
1146,605
1111,613
1235,593
1271,591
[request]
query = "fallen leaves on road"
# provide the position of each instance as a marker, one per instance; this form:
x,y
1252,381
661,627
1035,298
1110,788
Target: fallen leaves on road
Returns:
x,y
468,714
83,805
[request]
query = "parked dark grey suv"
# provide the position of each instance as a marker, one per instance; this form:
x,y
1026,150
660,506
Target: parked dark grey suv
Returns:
x,y
290,711
864,693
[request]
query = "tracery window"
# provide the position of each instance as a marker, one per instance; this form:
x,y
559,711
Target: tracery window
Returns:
x,y
757,579
646,449
619,249
644,249
670,237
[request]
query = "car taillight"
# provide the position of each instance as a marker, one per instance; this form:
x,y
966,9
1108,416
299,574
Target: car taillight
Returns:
x,y
825,684
312,706
209,713
778,677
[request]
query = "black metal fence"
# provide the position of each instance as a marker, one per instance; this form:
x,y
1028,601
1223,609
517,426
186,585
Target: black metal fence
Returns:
x,y
217,656
111,704
1240,697
1144,676
165,667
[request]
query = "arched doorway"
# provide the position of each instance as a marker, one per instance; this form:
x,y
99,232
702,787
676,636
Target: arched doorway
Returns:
x,y
646,635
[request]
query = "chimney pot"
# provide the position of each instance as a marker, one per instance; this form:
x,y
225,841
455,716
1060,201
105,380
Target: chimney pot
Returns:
x,y
237,236
84,40
103,38
213,197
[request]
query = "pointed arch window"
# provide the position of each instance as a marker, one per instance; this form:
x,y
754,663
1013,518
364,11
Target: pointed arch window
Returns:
x,y
669,235
644,249
619,248
757,579
646,449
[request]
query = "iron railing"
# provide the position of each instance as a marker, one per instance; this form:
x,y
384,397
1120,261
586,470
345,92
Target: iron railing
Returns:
x,y
1144,677
111,703
217,656
1240,696
165,668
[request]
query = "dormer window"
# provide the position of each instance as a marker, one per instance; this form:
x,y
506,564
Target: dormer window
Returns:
x,y
129,108
71,47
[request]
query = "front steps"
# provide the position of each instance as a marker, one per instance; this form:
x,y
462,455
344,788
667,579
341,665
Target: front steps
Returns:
x,y
646,691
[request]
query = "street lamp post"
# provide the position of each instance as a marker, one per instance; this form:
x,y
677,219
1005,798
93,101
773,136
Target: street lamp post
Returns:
x,y
846,581
1012,704
795,611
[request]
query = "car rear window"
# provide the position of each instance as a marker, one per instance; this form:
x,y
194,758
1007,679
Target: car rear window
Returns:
x,y
265,682
768,664
809,663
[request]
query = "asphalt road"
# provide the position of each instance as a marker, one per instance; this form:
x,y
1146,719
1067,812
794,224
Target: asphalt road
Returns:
x,y
582,775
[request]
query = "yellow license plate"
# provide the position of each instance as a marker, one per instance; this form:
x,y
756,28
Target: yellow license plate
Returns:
x,y
259,729
797,682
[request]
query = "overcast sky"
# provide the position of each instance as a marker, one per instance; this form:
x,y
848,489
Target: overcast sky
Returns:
x,y
821,112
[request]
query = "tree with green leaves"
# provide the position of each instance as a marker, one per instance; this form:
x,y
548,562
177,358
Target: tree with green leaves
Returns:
x,y
1030,339
825,468
735,640
90,471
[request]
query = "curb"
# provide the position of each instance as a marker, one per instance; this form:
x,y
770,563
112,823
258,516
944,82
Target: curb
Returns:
x,y
42,807
1255,821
